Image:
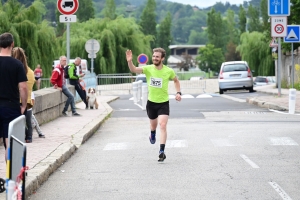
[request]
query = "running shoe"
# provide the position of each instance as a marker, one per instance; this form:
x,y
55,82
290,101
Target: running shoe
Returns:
x,y
162,156
152,138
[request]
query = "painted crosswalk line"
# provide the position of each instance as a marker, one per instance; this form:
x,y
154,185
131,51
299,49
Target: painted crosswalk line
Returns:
x,y
186,96
281,141
176,143
224,142
204,96
116,146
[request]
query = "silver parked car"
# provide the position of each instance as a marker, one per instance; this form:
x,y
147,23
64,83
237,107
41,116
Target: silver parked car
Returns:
x,y
235,75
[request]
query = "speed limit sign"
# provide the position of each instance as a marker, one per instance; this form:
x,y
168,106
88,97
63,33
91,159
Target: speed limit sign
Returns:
x,y
278,26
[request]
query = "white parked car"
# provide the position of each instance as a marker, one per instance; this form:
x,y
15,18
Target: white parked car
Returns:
x,y
235,75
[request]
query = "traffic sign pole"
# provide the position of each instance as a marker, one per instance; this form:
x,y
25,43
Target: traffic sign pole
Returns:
x,y
279,67
68,42
92,60
293,70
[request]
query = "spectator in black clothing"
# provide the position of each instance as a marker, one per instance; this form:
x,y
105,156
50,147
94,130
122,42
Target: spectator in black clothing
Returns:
x,y
74,79
13,87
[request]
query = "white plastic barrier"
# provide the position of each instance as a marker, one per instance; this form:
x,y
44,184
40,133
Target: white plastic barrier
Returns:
x,y
292,101
145,96
140,83
135,91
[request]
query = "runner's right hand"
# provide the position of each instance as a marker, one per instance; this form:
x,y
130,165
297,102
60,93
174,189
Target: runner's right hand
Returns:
x,y
129,55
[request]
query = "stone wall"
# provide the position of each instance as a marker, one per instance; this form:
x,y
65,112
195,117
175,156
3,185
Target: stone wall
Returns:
x,y
49,104
286,64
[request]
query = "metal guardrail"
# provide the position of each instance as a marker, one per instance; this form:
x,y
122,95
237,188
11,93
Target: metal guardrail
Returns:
x,y
108,82
123,82
112,82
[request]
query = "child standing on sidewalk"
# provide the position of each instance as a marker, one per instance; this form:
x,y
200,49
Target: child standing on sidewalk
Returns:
x,y
34,122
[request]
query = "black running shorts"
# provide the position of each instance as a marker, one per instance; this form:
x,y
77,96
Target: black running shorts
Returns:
x,y
156,109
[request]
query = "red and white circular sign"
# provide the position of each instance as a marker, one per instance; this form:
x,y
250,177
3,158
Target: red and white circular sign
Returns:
x,y
279,28
67,7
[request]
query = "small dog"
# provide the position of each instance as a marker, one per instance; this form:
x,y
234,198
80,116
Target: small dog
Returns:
x,y
91,98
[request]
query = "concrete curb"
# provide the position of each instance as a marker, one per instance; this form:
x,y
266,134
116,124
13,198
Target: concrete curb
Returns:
x,y
41,172
265,104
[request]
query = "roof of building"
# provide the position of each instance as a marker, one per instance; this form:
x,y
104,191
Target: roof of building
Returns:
x,y
187,46
175,59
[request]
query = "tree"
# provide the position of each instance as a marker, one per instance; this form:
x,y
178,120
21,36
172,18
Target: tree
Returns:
x,y
242,20
255,50
86,10
115,37
110,9
30,32
231,53
148,20
231,27
210,58
216,30
265,17
254,22
197,37
164,37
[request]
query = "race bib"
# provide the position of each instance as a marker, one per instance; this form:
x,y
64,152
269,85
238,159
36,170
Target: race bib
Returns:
x,y
156,82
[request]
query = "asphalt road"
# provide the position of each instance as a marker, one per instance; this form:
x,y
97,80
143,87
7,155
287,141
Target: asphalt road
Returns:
x,y
218,148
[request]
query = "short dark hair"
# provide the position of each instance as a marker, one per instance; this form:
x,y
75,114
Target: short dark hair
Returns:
x,y
6,39
160,50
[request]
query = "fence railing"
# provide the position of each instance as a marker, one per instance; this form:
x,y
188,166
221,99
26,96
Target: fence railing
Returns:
x,y
115,83
108,82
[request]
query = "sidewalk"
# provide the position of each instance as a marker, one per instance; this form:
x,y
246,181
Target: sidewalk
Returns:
x,y
269,98
63,136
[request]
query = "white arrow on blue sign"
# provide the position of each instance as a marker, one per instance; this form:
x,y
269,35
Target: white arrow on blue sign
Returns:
x,y
279,7
293,34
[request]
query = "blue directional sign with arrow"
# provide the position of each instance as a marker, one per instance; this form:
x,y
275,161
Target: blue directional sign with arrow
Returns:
x,y
279,7
293,34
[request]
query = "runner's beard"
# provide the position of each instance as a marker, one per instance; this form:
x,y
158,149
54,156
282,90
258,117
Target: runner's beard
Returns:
x,y
158,63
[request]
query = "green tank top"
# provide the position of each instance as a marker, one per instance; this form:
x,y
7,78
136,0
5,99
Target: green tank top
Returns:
x,y
158,82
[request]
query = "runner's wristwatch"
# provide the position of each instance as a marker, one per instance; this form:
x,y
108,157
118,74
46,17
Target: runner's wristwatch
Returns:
x,y
179,93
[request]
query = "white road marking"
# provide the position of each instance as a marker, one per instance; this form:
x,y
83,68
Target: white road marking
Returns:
x,y
223,142
204,96
281,112
282,141
250,162
187,96
126,109
233,98
139,105
280,191
176,143
116,146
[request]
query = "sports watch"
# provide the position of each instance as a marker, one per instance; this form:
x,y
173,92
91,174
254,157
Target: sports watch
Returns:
x,y
179,93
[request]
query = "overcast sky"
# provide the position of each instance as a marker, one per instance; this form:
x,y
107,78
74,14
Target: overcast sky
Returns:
x,y
206,3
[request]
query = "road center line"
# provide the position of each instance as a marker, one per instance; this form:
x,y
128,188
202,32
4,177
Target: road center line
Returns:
x,y
250,162
280,191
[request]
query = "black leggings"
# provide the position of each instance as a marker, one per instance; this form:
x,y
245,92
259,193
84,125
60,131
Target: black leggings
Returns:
x,y
79,90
